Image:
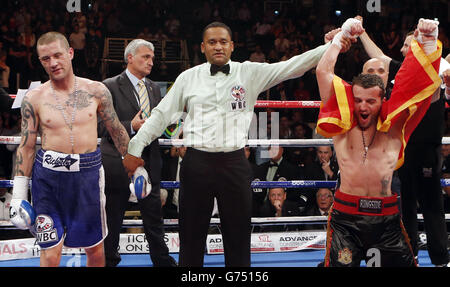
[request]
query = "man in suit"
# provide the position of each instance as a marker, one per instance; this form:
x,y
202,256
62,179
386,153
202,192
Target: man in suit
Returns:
x,y
324,200
277,205
278,169
134,96
324,167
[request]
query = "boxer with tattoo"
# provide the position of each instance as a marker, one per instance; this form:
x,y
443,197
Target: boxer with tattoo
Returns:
x,y
67,173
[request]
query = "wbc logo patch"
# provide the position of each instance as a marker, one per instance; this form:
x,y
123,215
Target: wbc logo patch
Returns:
x,y
61,162
238,95
45,231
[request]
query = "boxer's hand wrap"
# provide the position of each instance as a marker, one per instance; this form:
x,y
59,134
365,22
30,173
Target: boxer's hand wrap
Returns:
x,y
21,213
131,163
428,46
140,184
346,31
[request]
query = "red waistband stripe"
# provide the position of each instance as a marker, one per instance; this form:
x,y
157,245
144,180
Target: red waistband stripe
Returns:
x,y
365,205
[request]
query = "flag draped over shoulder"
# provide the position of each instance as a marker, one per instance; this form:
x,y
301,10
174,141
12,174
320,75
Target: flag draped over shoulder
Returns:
x,y
415,83
336,116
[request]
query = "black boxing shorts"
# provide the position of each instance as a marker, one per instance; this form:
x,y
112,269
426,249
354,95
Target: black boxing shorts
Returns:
x,y
366,228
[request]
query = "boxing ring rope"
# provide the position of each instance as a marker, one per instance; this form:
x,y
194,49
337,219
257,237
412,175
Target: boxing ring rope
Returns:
x,y
251,142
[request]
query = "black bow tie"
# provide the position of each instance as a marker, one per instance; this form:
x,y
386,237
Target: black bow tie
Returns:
x,y
224,69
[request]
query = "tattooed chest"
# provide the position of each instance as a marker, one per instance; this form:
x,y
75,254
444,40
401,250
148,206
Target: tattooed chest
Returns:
x,y
53,115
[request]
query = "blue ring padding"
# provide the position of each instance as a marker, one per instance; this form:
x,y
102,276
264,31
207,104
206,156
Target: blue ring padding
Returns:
x,y
255,184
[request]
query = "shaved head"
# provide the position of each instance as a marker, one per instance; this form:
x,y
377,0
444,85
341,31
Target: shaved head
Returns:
x,y
377,67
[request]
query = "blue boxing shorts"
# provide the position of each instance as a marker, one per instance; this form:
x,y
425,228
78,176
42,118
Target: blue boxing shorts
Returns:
x,y
68,196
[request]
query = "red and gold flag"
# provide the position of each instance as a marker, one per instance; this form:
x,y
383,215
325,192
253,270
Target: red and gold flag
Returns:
x,y
415,83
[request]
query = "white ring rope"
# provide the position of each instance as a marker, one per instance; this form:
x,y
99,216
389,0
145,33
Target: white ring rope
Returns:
x,y
251,142
292,220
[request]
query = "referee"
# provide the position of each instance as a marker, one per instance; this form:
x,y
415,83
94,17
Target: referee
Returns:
x,y
218,97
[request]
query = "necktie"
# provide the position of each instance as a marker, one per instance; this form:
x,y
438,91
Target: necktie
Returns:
x,y
271,171
224,69
143,100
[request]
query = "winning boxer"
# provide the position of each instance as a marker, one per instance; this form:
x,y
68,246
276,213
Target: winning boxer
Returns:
x,y
369,137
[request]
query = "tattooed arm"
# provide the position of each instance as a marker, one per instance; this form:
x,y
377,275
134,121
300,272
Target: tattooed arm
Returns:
x,y
29,130
110,120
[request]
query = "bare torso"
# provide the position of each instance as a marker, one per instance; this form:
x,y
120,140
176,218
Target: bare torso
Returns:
x,y
54,127
371,176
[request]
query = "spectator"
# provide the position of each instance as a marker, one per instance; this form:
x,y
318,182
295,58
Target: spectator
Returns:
x,y
5,154
240,53
244,14
258,55
392,42
5,199
272,56
295,42
300,156
216,13
258,194
7,36
301,93
250,41
277,28
113,24
93,54
445,41
178,152
172,26
77,41
28,38
160,35
167,207
324,167
445,151
277,205
281,43
4,71
296,117
290,28
17,61
277,93
321,207
324,200
288,54
145,34
278,168
263,32
81,21
196,56
285,129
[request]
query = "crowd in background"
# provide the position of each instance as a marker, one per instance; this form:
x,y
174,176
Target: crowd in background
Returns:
x,y
263,31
